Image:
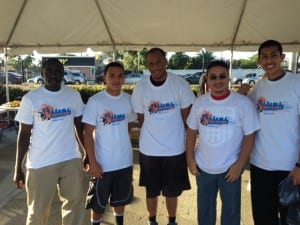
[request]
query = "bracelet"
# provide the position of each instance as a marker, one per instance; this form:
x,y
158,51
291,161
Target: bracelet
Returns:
x,y
297,165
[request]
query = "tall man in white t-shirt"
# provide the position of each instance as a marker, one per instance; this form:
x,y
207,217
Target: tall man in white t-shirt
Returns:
x,y
226,123
276,152
162,102
47,117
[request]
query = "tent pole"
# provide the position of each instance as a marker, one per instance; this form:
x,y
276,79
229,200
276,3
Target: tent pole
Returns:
x,y
114,56
230,65
294,62
6,73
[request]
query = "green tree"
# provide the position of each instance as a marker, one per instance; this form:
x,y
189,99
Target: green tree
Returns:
x,y
104,58
130,60
135,60
143,59
202,59
179,60
23,65
250,63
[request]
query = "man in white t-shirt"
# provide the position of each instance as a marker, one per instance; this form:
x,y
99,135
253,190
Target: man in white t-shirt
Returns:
x,y
162,102
47,138
108,116
276,152
226,123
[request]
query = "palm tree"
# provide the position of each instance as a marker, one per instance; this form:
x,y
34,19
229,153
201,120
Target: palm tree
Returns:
x,y
201,60
206,57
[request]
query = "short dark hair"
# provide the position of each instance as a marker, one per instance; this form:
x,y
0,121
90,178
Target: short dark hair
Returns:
x,y
113,64
52,61
152,50
270,43
215,63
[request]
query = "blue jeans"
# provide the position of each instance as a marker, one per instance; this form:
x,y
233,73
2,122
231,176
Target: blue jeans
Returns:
x,y
208,187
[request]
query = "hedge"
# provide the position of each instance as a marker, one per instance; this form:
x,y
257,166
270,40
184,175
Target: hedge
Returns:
x,y
17,91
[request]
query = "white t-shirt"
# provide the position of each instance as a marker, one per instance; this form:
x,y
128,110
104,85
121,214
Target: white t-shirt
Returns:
x,y
222,125
162,133
277,144
52,116
111,115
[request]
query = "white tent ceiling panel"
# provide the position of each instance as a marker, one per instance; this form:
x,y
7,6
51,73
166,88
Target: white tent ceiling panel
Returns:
x,y
175,25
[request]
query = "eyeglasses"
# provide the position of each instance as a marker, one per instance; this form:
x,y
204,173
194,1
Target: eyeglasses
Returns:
x,y
214,77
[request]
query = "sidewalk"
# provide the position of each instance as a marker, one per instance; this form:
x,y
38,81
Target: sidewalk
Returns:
x,y
13,201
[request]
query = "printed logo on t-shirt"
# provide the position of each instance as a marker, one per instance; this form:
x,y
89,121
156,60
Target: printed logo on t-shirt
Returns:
x,y
157,107
207,118
48,112
264,105
109,117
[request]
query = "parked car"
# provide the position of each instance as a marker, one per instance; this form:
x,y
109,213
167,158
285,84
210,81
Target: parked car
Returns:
x,y
251,78
193,78
133,78
236,80
78,77
13,78
36,80
99,78
68,78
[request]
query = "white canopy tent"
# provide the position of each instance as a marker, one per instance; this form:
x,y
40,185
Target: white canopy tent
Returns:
x,y
175,25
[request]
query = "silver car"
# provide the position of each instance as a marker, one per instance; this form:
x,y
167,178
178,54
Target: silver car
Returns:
x,y
78,77
68,78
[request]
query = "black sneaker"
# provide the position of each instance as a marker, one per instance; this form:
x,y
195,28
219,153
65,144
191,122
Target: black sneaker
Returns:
x,y
152,223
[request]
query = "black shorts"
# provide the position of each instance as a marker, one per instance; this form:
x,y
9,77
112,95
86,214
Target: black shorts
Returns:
x,y
115,185
166,174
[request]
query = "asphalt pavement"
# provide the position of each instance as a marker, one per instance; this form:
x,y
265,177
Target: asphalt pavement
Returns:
x,y
13,201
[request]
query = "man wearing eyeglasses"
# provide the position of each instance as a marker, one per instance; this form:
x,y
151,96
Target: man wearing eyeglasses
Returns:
x,y
226,122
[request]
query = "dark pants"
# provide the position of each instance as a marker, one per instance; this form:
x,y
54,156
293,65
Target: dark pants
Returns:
x,y
264,196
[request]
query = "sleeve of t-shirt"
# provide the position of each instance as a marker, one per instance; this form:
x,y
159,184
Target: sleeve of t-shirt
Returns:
x,y
132,115
79,106
297,91
250,121
192,121
252,95
137,100
90,113
25,113
187,97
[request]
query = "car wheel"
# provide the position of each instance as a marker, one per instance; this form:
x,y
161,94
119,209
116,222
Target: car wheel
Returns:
x,y
239,82
40,81
252,82
77,82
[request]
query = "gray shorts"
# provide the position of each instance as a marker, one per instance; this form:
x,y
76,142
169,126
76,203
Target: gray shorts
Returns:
x,y
115,186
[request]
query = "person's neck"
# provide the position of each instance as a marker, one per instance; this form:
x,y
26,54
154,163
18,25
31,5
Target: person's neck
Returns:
x,y
276,76
158,82
53,89
220,97
113,93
